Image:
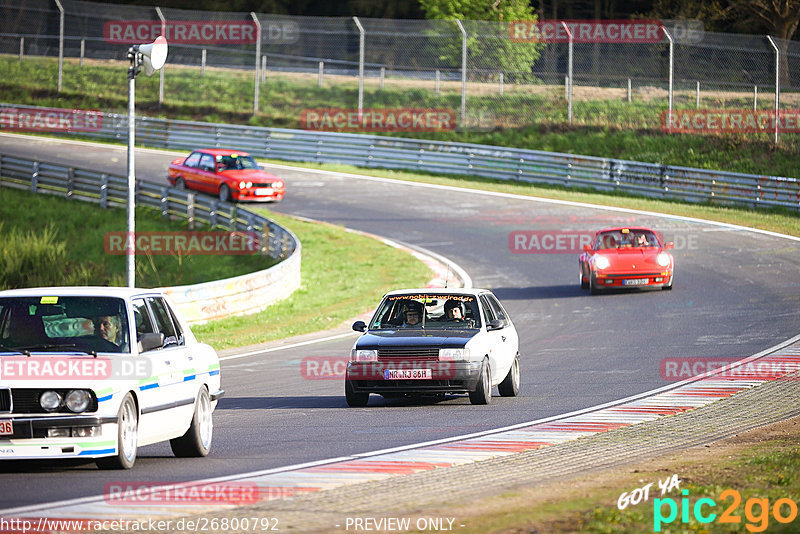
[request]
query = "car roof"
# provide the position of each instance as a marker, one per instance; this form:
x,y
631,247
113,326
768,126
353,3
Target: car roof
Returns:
x,y
439,291
221,151
80,291
620,228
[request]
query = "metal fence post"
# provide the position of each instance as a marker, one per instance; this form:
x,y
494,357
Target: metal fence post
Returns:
x,y
21,47
501,84
360,67
258,58
35,177
438,77
263,68
104,191
83,50
60,43
629,90
463,72
671,70
383,75
755,97
203,62
321,74
161,70
777,85
569,72
164,202
70,181
190,210
697,104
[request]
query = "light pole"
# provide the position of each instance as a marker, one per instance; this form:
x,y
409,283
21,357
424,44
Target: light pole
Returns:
x,y
152,56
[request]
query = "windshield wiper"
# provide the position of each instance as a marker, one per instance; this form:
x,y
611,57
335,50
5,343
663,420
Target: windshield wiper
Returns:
x,y
15,349
45,346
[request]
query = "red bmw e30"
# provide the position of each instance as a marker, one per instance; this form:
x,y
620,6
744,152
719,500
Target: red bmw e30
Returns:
x,y
628,257
229,174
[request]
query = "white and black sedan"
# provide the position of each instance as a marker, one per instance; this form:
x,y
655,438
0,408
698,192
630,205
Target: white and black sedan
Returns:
x,y
97,372
434,342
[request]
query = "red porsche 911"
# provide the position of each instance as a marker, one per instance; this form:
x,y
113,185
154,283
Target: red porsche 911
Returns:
x,y
229,174
626,258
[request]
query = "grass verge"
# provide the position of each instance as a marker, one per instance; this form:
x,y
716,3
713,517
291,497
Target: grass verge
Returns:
x,y
525,117
343,275
762,464
49,240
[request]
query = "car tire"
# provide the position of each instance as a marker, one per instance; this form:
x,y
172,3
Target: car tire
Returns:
x,y
355,399
196,442
667,287
482,394
180,184
509,387
127,437
582,280
593,289
224,193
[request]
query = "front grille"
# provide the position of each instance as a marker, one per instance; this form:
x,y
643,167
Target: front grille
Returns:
x,y
270,184
5,400
416,354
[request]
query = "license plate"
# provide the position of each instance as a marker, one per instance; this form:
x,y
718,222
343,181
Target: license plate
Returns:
x,y
635,282
407,374
263,192
6,428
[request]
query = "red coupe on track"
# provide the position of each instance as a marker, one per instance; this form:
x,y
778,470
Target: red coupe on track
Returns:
x,y
626,258
229,174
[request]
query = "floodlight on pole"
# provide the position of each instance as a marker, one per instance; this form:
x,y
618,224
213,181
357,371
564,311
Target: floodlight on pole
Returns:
x,y
152,56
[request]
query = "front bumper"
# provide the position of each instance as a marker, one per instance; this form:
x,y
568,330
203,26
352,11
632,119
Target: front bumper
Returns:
x,y
30,441
623,280
446,377
261,194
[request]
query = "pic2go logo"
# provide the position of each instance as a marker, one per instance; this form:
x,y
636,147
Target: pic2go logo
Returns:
x,y
756,511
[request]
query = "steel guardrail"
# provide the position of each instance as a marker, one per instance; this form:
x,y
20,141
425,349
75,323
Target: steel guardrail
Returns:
x,y
651,180
198,302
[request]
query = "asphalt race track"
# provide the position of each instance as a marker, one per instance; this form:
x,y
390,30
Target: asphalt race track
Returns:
x,y
736,293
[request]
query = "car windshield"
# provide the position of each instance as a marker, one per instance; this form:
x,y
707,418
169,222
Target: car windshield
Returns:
x,y
427,310
63,324
626,239
236,162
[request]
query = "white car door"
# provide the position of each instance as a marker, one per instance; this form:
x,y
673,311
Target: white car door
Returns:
x,y
501,342
509,338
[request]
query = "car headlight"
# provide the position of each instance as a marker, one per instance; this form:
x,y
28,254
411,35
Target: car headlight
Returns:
x,y
601,262
243,185
663,259
453,354
50,401
278,185
78,400
363,355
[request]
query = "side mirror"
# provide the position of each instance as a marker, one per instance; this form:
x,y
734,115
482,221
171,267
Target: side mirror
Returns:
x,y
360,326
496,324
669,245
587,248
151,341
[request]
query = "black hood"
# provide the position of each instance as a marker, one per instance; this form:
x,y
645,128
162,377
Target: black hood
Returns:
x,y
408,337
